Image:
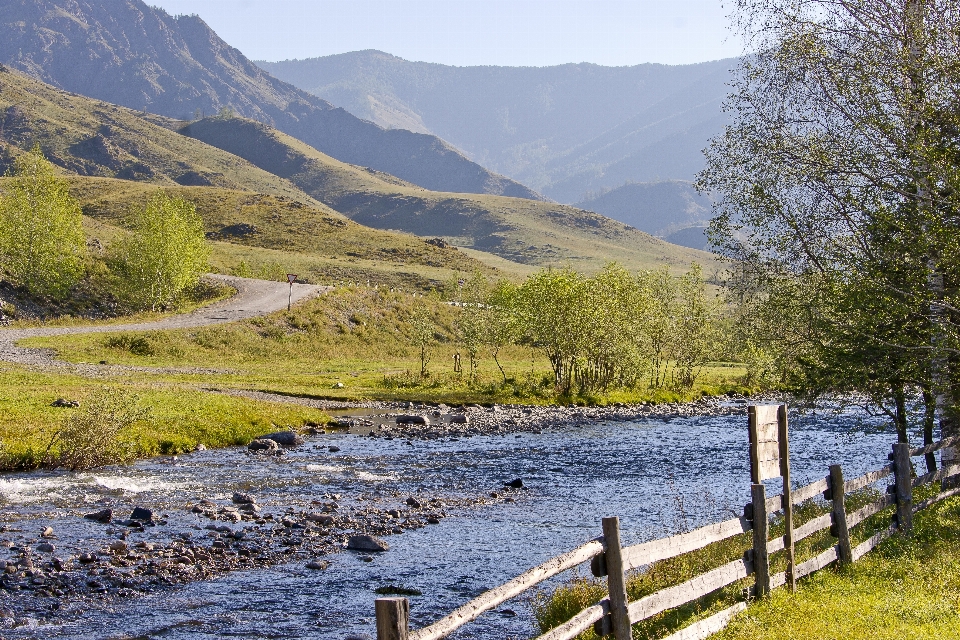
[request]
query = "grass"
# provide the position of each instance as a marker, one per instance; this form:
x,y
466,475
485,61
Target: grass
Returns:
x,y
180,416
909,587
359,337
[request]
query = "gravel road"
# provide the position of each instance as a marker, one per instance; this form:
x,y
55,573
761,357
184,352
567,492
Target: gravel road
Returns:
x,y
253,298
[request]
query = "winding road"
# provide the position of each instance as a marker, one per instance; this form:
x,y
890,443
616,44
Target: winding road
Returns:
x,y
253,298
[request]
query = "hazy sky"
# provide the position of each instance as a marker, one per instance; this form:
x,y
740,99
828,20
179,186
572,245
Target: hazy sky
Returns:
x,y
473,32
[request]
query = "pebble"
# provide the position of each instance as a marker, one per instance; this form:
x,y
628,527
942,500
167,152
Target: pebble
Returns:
x,y
366,542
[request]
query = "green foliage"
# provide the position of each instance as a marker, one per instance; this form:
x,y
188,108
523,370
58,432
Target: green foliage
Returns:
x,y
164,255
99,433
42,244
423,330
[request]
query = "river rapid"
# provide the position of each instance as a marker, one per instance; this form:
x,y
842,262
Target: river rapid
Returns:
x,y
658,475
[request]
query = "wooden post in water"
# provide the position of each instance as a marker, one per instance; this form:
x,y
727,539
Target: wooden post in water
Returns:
x,y
761,561
393,618
616,580
903,471
838,514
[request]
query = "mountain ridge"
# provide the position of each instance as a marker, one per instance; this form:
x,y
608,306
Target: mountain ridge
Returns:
x,y
127,53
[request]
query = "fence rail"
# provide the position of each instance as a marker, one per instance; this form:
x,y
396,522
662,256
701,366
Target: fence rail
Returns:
x,y
614,614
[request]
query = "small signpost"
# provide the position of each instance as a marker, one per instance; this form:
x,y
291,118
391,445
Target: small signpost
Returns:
x,y
769,458
291,278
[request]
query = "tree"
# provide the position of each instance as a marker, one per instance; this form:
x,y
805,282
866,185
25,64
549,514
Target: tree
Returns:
x,y
838,180
42,244
695,336
423,335
504,324
165,254
472,321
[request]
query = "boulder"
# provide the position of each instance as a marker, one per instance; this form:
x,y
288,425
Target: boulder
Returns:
x,y
333,449
318,565
46,547
284,438
47,533
264,445
515,484
142,514
243,498
408,419
64,403
459,418
320,518
103,516
366,543
413,502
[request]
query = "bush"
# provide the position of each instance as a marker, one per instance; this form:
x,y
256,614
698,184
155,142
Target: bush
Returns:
x,y
98,434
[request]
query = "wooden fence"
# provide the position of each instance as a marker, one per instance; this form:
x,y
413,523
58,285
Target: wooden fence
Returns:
x,y
614,614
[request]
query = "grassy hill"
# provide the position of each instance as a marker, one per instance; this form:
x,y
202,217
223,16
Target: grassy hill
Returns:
x,y
135,55
519,230
660,208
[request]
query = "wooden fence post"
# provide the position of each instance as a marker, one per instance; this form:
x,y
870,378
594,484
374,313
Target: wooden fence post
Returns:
x,y
839,529
761,561
903,471
616,580
786,497
393,618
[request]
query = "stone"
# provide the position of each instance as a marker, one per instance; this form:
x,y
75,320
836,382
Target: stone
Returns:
x,y
320,518
104,516
333,449
318,565
459,418
366,543
408,419
263,445
515,484
432,520
200,447
46,547
87,558
284,438
413,502
118,546
47,533
243,498
65,404
142,514
337,385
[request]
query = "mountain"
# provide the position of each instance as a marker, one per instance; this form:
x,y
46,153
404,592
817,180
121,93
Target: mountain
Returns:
x,y
659,208
128,53
564,130
520,230
114,159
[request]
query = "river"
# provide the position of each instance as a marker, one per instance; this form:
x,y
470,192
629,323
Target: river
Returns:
x,y
658,476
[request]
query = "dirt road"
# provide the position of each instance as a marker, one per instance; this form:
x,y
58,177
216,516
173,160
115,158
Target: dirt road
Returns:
x,y
253,298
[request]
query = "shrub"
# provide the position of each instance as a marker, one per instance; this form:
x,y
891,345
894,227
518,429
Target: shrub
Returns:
x,y
98,434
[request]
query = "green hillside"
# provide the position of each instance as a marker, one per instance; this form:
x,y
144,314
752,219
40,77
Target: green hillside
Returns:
x,y
519,230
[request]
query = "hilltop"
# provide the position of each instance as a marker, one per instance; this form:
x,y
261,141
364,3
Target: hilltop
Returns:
x,y
519,230
128,53
564,130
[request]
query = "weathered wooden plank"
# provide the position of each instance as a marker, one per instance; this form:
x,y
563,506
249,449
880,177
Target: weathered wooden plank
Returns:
x,y
692,589
778,580
708,626
498,595
763,427
766,414
936,446
640,554
935,499
769,469
804,531
767,451
939,474
867,479
578,623
871,542
616,579
815,564
393,618
863,513
787,497
811,490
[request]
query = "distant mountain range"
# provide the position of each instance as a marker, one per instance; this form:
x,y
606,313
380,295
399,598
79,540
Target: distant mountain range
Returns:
x,y
565,130
131,54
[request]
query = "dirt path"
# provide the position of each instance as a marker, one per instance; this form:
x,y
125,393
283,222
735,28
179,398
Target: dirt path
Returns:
x,y
253,298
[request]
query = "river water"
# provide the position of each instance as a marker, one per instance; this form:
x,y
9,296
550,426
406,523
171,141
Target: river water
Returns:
x,y
573,477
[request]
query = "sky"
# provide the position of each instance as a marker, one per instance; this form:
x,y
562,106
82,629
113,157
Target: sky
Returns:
x,y
473,32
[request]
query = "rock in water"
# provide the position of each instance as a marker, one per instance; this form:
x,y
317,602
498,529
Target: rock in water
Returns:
x,y
45,547
263,445
318,565
139,513
515,484
284,438
413,420
47,533
459,418
243,498
366,543
413,502
103,516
